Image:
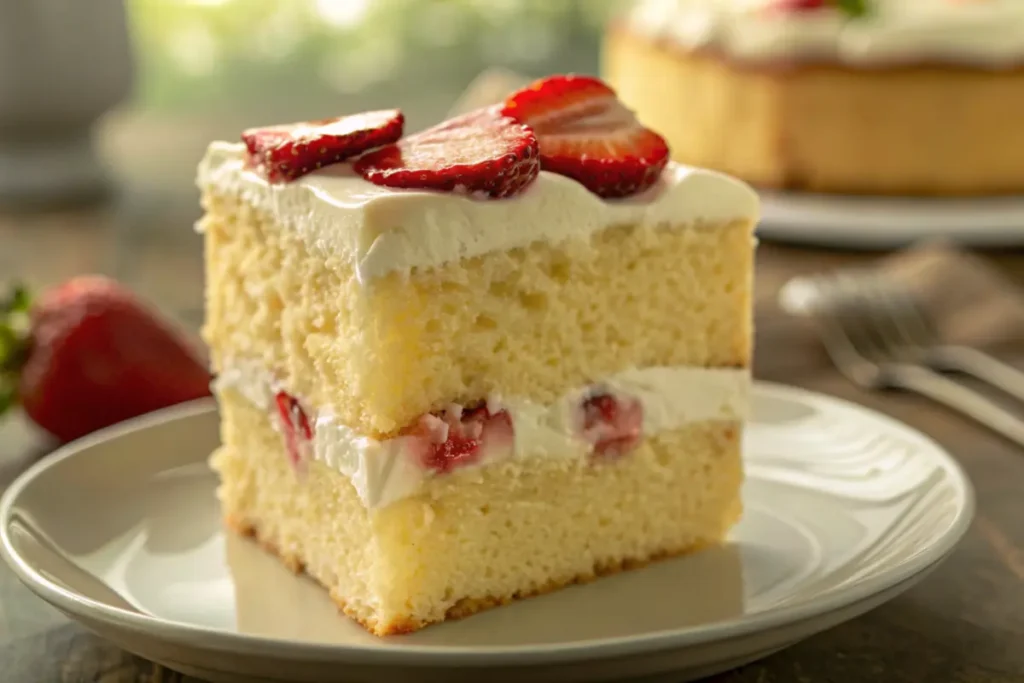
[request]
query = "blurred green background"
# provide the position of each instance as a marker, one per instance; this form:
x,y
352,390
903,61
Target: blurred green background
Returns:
x,y
207,68
297,55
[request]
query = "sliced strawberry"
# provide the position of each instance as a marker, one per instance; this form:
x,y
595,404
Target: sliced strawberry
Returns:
x,y
480,153
600,409
295,425
457,436
549,104
798,5
853,8
457,450
613,424
290,151
585,133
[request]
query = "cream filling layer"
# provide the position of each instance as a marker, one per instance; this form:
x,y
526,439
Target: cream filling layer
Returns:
x,y
384,471
378,230
988,32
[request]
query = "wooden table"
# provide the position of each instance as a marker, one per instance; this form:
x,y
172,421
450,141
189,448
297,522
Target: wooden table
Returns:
x,y
964,623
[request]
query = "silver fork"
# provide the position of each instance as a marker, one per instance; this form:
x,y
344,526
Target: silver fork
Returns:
x,y
874,337
920,339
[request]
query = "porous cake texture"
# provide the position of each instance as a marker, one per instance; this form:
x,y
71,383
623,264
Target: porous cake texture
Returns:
x,y
435,403
480,537
531,321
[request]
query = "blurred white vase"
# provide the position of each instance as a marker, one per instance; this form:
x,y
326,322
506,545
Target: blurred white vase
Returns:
x,y
63,64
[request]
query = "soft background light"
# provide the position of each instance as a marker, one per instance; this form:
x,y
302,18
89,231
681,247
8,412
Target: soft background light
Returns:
x,y
208,68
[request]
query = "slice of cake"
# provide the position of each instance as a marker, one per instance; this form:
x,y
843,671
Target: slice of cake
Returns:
x,y
477,363
885,97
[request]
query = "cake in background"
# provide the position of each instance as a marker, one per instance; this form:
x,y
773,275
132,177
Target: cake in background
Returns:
x,y
479,362
875,97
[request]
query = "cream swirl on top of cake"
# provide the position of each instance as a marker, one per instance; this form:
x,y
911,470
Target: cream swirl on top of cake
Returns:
x,y
988,32
380,230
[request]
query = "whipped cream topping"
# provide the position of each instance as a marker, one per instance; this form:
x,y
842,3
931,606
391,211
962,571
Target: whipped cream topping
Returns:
x,y
380,230
385,471
987,32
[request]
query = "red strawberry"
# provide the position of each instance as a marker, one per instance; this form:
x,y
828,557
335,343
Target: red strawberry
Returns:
x,y
457,437
289,151
853,8
457,450
584,132
613,424
798,5
480,153
295,424
88,354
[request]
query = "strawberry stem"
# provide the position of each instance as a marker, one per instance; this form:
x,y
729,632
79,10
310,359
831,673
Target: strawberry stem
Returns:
x,y
14,342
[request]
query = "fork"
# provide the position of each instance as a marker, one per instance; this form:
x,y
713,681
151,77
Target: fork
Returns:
x,y
880,338
920,339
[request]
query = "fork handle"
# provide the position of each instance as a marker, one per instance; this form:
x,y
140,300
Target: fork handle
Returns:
x,y
981,366
943,390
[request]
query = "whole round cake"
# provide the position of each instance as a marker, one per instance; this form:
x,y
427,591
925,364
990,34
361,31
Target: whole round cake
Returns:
x,y
881,97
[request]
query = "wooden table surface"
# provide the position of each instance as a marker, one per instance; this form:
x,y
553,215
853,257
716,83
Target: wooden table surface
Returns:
x,y
965,622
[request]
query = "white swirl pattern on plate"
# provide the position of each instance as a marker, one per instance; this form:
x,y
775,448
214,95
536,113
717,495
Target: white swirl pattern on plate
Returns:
x,y
898,496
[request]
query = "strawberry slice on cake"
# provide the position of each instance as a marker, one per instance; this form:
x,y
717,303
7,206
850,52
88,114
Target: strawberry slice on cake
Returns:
x,y
289,151
482,152
478,362
584,132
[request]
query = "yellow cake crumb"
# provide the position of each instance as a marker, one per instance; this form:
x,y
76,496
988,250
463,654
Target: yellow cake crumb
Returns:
x,y
529,322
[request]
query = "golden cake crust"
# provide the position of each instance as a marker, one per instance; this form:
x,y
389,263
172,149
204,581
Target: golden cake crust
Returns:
x,y
909,129
463,608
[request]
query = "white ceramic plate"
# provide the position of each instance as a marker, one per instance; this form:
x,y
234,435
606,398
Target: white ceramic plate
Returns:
x,y
885,223
845,508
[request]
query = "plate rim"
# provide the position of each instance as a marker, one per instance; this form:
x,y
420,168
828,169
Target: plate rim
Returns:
x,y
802,218
213,639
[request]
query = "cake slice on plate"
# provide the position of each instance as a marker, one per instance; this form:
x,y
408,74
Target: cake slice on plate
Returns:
x,y
479,362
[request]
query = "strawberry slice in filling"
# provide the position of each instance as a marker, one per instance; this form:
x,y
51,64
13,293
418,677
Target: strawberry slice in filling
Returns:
x,y
459,436
295,425
613,424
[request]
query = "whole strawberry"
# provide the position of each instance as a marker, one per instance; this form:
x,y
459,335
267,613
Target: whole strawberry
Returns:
x,y
88,354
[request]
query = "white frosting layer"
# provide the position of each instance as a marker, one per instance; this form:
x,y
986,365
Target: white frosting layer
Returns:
x,y
987,32
379,230
384,472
